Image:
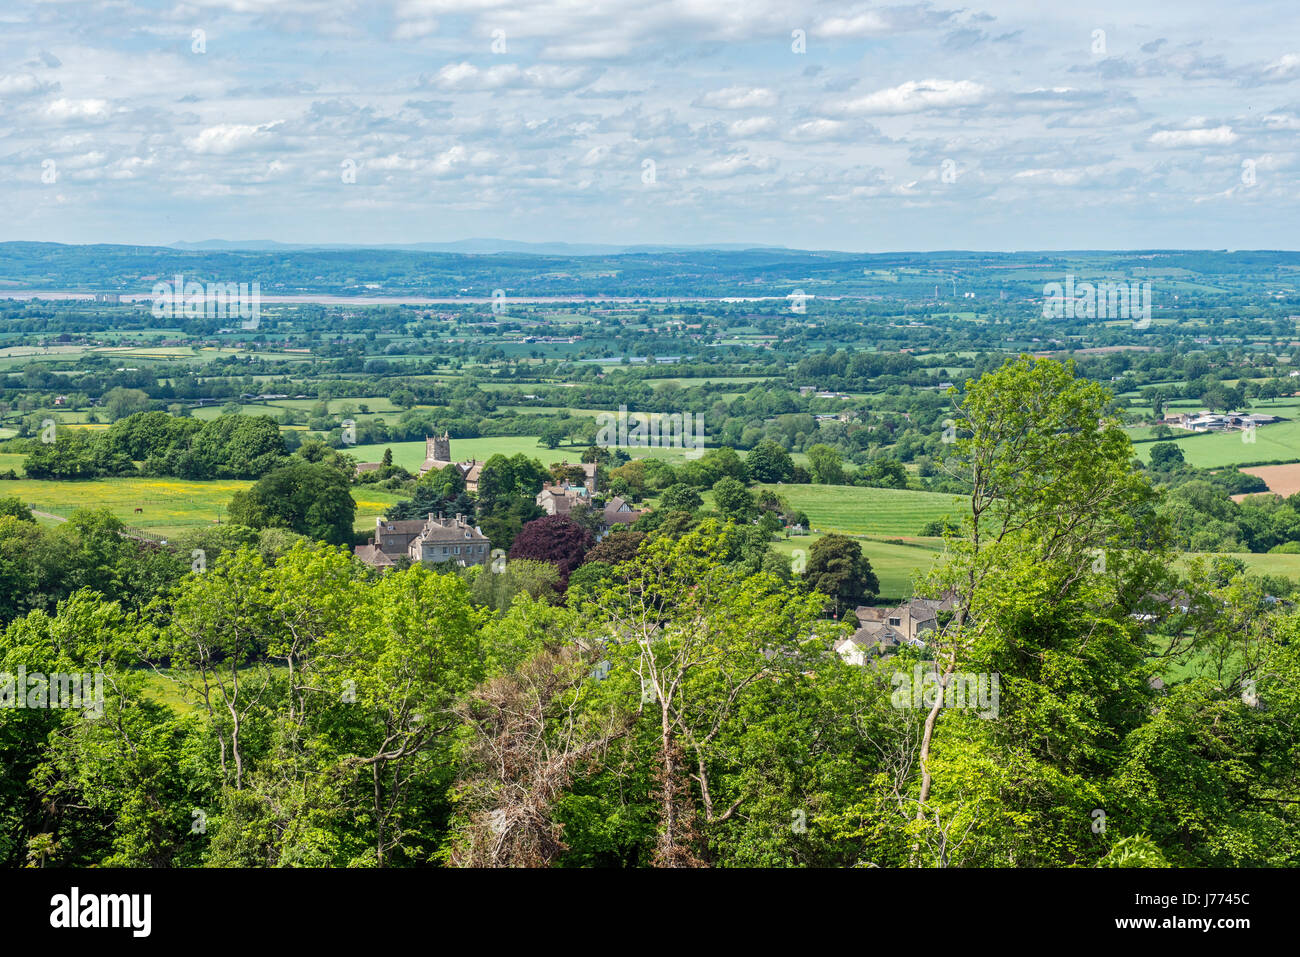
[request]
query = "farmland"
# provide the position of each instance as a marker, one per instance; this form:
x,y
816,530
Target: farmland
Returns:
x,y
853,510
1281,479
168,507
897,566
1279,442
410,455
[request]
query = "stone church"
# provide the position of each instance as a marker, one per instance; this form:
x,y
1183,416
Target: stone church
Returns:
x,y
437,456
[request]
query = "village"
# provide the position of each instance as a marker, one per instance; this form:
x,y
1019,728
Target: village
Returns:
x,y
437,539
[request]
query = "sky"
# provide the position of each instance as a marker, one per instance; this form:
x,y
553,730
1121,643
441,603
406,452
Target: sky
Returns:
x,y
862,127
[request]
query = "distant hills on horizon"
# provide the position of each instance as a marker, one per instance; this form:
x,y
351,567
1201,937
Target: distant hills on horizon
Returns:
x,y
477,268
482,247
496,247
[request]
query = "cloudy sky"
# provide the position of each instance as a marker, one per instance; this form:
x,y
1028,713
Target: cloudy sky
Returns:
x,y
1001,125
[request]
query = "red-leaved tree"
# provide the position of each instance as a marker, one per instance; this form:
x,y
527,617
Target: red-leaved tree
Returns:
x,y
555,539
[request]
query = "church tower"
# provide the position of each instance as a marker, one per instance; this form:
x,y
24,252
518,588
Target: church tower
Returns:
x,y
438,448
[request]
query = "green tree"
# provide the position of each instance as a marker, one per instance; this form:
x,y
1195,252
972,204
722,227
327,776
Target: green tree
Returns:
x,y
733,500
827,464
838,569
681,498
768,462
310,499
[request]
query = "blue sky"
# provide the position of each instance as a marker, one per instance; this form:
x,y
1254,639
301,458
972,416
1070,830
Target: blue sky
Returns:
x,y
1006,125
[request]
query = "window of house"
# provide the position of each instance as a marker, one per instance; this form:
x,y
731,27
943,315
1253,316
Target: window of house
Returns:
x,y
895,622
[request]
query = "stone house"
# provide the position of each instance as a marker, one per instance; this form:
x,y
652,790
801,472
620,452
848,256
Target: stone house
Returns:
x,y
433,541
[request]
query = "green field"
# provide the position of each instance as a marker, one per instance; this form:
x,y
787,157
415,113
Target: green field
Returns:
x,y
852,510
168,506
1279,442
410,455
1287,566
896,566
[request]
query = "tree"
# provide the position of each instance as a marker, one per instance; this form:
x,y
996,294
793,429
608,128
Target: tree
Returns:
x,y
445,483
620,545
527,743
496,586
680,498
827,464
700,648
1047,584
733,500
555,539
552,435
768,462
1166,455
503,479
121,402
310,499
838,569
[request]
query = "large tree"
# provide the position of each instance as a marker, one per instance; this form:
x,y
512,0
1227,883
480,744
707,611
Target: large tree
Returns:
x,y
838,569
768,462
555,539
310,499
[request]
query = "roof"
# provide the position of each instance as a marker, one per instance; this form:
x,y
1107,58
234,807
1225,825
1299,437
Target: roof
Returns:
x,y
450,530
877,633
374,556
405,526
615,514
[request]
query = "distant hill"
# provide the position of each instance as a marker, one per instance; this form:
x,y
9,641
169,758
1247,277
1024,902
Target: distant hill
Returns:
x,y
453,270
482,247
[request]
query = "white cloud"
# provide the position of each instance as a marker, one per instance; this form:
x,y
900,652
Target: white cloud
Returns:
x,y
915,96
735,164
739,98
815,130
1056,177
466,77
1178,139
865,24
62,109
23,84
751,126
229,138
1283,68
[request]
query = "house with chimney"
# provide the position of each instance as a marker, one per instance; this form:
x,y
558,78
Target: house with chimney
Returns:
x,y
437,456
563,498
881,631
433,540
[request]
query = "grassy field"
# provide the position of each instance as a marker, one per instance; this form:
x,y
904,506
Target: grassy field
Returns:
x,y
164,686
168,506
897,566
1287,566
1279,442
852,510
410,455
